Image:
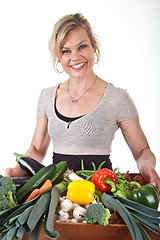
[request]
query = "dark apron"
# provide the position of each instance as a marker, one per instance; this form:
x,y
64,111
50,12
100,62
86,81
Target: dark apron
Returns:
x,y
74,161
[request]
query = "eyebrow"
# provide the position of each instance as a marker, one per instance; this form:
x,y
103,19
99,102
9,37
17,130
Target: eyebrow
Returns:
x,y
82,42
77,44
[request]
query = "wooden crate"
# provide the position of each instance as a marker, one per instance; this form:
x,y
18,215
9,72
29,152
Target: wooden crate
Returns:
x,y
85,231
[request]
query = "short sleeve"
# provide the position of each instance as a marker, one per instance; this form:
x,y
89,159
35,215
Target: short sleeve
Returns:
x,y
41,110
125,108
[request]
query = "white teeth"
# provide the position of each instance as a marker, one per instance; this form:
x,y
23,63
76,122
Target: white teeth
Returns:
x,y
78,65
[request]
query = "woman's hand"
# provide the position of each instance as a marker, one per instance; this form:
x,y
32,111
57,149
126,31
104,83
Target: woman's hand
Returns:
x,y
146,164
14,172
151,176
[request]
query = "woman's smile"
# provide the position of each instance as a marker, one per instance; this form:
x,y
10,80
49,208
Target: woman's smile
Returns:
x,y
78,66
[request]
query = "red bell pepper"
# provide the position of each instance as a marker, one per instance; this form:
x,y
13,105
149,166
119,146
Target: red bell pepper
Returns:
x,y
104,180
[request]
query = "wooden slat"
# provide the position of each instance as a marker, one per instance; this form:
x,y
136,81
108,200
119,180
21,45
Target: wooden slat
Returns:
x,y
85,231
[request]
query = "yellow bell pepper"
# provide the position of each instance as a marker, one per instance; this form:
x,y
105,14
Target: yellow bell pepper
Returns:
x,y
81,191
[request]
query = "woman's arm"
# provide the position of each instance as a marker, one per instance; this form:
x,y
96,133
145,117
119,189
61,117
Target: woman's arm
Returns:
x,y
40,141
38,147
139,146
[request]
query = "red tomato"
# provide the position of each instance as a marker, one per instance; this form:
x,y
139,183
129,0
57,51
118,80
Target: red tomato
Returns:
x,y
115,219
140,179
127,177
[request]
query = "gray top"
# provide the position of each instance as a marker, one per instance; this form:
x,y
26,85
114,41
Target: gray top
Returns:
x,y
93,133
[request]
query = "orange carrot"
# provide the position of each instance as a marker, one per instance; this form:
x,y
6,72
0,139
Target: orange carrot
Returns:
x,y
46,185
33,194
36,192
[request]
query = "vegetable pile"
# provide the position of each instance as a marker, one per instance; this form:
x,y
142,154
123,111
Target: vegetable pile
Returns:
x,y
55,193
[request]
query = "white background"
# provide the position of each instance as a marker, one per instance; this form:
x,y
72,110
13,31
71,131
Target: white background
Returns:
x,y
129,31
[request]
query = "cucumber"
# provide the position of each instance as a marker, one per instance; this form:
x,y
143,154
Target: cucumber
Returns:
x,y
60,169
35,182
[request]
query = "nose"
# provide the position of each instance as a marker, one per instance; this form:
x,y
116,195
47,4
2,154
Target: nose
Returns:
x,y
75,55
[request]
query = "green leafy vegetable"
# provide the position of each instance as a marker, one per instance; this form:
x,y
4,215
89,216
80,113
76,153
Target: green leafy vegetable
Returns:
x,y
123,187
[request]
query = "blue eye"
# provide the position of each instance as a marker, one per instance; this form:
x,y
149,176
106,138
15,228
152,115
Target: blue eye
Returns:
x,y
65,51
83,46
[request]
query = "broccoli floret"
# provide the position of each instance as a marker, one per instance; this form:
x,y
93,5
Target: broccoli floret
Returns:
x,y
4,204
7,193
97,213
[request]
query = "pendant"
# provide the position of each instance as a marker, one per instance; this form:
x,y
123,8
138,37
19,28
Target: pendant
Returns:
x,y
74,101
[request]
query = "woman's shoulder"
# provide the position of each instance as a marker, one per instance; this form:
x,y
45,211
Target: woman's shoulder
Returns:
x,y
114,94
120,98
122,103
49,90
117,95
115,90
47,94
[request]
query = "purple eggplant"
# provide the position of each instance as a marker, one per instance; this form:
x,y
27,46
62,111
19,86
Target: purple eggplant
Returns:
x,y
29,165
20,181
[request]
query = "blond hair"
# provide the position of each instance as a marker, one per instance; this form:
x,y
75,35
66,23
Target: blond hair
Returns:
x,y
63,27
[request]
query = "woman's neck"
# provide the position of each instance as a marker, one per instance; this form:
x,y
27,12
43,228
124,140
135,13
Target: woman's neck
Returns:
x,y
81,84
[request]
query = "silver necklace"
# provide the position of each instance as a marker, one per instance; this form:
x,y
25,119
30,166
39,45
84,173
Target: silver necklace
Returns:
x,y
75,100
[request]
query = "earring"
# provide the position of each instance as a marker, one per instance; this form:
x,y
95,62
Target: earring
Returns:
x,y
57,68
96,58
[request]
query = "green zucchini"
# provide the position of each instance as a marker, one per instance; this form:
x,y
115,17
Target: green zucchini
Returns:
x,y
60,169
35,182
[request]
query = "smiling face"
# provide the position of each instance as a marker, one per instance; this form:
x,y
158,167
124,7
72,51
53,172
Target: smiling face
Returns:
x,y
77,54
